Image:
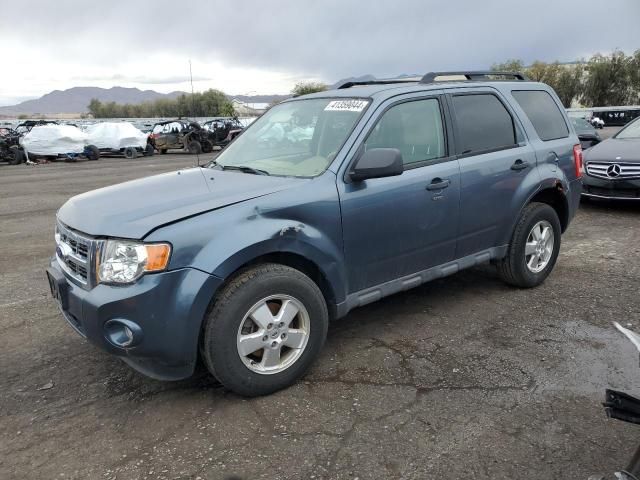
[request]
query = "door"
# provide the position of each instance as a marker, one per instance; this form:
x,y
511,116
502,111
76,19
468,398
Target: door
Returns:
x,y
495,163
554,145
400,225
173,136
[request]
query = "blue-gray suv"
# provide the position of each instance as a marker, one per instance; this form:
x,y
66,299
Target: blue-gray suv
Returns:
x,y
327,202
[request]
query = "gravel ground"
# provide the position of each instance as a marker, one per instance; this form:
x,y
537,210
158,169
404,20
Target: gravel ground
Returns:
x,y
460,378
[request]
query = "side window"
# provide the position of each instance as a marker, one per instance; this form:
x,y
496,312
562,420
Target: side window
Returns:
x,y
484,124
415,128
543,112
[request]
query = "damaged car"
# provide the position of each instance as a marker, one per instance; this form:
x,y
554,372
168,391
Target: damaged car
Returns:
x,y
223,130
180,135
10,150
119,138
240,264
52,141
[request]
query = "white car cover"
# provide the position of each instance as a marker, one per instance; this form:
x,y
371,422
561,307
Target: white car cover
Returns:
x,y
54,140
116,135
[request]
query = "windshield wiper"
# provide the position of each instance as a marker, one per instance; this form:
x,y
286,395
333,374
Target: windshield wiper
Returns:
x,y
240,168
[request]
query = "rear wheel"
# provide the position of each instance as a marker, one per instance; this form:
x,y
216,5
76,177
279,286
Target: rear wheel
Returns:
x,y
194,147
534,247
265,329
149,150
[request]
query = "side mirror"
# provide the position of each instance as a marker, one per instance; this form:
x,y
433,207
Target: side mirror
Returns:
x,y
377,163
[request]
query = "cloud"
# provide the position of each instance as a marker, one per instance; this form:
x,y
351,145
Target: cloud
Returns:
x,y
272,44
141,79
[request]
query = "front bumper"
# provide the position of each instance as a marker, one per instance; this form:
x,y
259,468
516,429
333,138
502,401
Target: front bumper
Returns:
x,y
610,189
167,307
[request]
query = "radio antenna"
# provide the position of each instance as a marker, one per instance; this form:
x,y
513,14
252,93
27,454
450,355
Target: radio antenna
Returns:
x,y
193,108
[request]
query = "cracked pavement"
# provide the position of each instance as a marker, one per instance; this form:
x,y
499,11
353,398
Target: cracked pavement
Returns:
x,y
460,378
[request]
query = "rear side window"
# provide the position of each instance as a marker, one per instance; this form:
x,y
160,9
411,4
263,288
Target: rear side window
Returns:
x,y
543,112
484,124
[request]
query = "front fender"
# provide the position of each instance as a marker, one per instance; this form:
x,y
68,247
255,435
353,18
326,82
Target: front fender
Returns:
x,y
294,242
303,221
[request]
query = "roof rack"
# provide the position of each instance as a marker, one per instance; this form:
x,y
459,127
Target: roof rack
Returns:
x,y
382,81
474,76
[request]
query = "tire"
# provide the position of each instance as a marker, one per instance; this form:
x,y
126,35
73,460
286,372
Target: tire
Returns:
x,y
515,268
130,153
207,146
163,151
17,156
92,152
149,150
194,147
249,375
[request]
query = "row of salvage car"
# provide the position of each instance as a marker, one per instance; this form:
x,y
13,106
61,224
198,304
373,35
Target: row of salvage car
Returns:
x,y
37,139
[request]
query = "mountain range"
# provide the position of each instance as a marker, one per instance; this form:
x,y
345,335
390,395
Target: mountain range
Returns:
x,y
76,100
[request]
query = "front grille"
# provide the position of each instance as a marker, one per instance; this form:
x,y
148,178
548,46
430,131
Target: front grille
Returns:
x,y
614,170
74,253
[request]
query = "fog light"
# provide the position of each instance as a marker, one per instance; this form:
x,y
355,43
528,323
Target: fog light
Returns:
x,y
129,334
123,333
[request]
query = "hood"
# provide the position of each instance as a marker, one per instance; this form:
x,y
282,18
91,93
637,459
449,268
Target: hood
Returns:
x,y
132,209
615,150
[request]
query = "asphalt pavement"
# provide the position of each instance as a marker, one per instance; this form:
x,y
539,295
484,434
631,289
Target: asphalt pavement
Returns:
x,y
464,377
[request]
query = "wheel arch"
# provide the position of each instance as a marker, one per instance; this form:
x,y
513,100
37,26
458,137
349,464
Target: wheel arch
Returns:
x,y
554,196
310,267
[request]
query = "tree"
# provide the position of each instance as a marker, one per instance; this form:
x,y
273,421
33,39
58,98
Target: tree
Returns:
x,y
634,77
95,108
511,65
609,80
304,88
569,83
211,103
227,110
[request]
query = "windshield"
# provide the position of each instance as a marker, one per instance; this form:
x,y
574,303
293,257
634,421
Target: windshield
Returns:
x,y
581,124
298,138
630,131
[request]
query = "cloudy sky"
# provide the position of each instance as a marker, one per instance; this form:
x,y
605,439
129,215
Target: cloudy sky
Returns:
x,y
266,46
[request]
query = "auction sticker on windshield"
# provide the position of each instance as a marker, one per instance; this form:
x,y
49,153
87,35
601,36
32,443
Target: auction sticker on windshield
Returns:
x,y
346,105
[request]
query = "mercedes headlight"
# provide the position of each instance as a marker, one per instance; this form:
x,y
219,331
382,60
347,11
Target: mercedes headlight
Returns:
x,y
123,261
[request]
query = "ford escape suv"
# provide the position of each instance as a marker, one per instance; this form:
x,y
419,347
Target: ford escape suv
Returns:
x,y
327,202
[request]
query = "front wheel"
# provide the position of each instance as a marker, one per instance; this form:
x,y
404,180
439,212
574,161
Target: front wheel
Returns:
x,y
265,329
207,146
16,155
534,247
92,152
130,153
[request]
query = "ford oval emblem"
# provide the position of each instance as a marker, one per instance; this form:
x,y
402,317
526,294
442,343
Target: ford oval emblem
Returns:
x,y
63,251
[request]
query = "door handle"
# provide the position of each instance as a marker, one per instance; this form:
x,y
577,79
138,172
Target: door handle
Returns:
x,y
519,165
438,184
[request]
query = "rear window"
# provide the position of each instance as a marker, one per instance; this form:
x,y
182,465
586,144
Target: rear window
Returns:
x,y
542,110
484,124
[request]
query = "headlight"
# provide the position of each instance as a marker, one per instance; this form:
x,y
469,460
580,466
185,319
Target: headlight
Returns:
x,y
122,261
